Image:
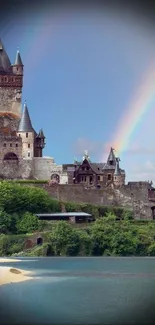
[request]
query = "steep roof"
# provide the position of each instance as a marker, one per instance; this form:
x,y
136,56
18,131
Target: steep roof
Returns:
x,y
18,60
111,156
25,124
4,59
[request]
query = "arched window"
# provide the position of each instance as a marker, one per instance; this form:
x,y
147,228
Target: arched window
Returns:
x,y
11,156
55,178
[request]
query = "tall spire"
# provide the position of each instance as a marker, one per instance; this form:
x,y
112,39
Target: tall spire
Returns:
x,y
117,169
111,158
4,59
25,124
18,60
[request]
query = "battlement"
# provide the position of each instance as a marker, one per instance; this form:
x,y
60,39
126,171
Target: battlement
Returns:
x,y
11,80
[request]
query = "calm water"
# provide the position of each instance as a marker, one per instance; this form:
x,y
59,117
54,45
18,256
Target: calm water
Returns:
x,y
81,291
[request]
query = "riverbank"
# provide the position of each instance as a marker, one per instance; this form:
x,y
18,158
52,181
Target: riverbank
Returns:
x,y
12,275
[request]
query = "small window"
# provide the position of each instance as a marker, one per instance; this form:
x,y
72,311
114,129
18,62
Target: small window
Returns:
x,y
87,168
10,144
111,162
4,145
28,145
16,144
98,177
19,135
27,135
85,178
28,154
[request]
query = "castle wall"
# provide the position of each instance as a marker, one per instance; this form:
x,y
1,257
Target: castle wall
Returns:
x,y
45,167
22,169
10,100
10,144
135,199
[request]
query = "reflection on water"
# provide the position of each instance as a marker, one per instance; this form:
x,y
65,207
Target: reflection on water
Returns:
x,y
81,291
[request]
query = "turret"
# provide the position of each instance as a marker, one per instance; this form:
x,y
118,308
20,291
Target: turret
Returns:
x,y
26,131
118,177
39,143
17,67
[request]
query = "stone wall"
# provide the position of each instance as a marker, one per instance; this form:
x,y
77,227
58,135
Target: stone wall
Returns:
x,y
135,199
44,167
10,100
10,144
22,169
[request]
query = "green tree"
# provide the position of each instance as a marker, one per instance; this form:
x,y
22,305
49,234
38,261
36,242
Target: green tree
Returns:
x,y
28,223
124,244
5,222
64,239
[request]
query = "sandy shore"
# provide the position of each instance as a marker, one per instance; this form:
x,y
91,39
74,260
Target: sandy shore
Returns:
x,y
11,275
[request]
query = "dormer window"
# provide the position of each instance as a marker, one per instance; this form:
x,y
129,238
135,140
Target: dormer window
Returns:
x,y
111,162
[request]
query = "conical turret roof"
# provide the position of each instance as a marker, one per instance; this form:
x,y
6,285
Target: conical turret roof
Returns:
x,y
111,157
4,59
25,124
41,134
18,60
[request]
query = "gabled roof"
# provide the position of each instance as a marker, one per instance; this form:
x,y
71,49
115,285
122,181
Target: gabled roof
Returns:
x,y
25,124
18,60
4,59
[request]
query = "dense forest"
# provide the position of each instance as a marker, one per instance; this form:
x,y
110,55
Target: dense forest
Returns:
x,y
114,233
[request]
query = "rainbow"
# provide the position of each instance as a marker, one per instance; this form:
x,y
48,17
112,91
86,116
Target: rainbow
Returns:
x,y
139,105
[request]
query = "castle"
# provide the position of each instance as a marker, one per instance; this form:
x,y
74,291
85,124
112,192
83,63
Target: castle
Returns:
x,y
21,156
21,147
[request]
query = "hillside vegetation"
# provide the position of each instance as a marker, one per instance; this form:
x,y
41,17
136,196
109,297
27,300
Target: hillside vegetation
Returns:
x,y
106,236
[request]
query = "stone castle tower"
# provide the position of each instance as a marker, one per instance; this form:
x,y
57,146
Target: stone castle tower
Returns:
x,y
19,142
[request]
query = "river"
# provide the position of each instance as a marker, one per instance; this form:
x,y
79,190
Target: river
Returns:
x,y
91,290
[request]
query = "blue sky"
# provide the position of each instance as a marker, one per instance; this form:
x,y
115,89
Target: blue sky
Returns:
x,y
80,72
